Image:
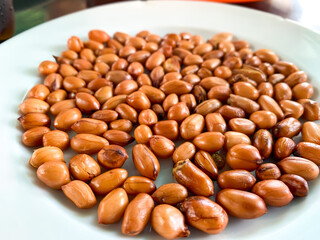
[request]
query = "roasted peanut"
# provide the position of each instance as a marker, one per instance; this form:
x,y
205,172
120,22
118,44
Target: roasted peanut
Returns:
x,y
288,127
291,108
184,151
242,125
45,154
178,112
171,193
299,166
33,136
311,109
112,206
190,176
137,214
161,146
107,181
145,161
148,117
127,112
283,147
269,104
243,156
118,137
167,128
263,141
191,126
205,162
236,179
241,204
229,112
65,119
137,184
264,119
209,141
233,138
311,132
248,105
80,194
168,222
87,143
89,125
54,174
204,214
267,171
83,167
297,185
274,192
112,156
56,138
142,134
122,125
308,150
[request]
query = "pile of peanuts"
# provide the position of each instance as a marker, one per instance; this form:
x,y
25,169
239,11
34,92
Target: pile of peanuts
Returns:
x,y
228,103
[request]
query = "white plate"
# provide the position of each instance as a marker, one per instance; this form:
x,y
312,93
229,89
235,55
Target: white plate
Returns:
x,y
29,210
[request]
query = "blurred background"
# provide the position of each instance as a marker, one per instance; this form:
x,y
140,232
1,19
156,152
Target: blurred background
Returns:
x,y
29,13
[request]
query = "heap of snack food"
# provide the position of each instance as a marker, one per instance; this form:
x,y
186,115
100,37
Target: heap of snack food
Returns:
x,y
219,96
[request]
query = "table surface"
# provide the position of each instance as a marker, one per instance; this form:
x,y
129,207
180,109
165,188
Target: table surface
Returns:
x,y
30,13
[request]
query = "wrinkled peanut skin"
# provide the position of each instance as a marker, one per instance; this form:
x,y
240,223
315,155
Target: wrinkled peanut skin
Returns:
x,y
204,214
84,167
190,176
137,214
297,185
80,194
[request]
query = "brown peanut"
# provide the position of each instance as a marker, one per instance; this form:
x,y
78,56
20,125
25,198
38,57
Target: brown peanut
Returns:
x,y
112,156
204,214
54,174
241,204
171,193
107,181
236,179
80,194
190,176
137,184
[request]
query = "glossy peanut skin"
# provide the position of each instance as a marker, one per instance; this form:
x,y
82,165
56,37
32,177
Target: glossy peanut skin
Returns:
x,y
45,154
112,156
311,132
169,222
299,166
161,146
297,185
263,141
241,204
142,134
233,138
87,143
264,119
288,127
215,123
137,184
243,156
190,176
89,125
118,137
268,171
145,161
108,181
283,147
80,194
54,174
112,206
33,136
167,128
192,126
242,125
65,119
209,141
204,214
205,162
274,192
310,151
171,193
83,167
236,179
184,151
137,214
